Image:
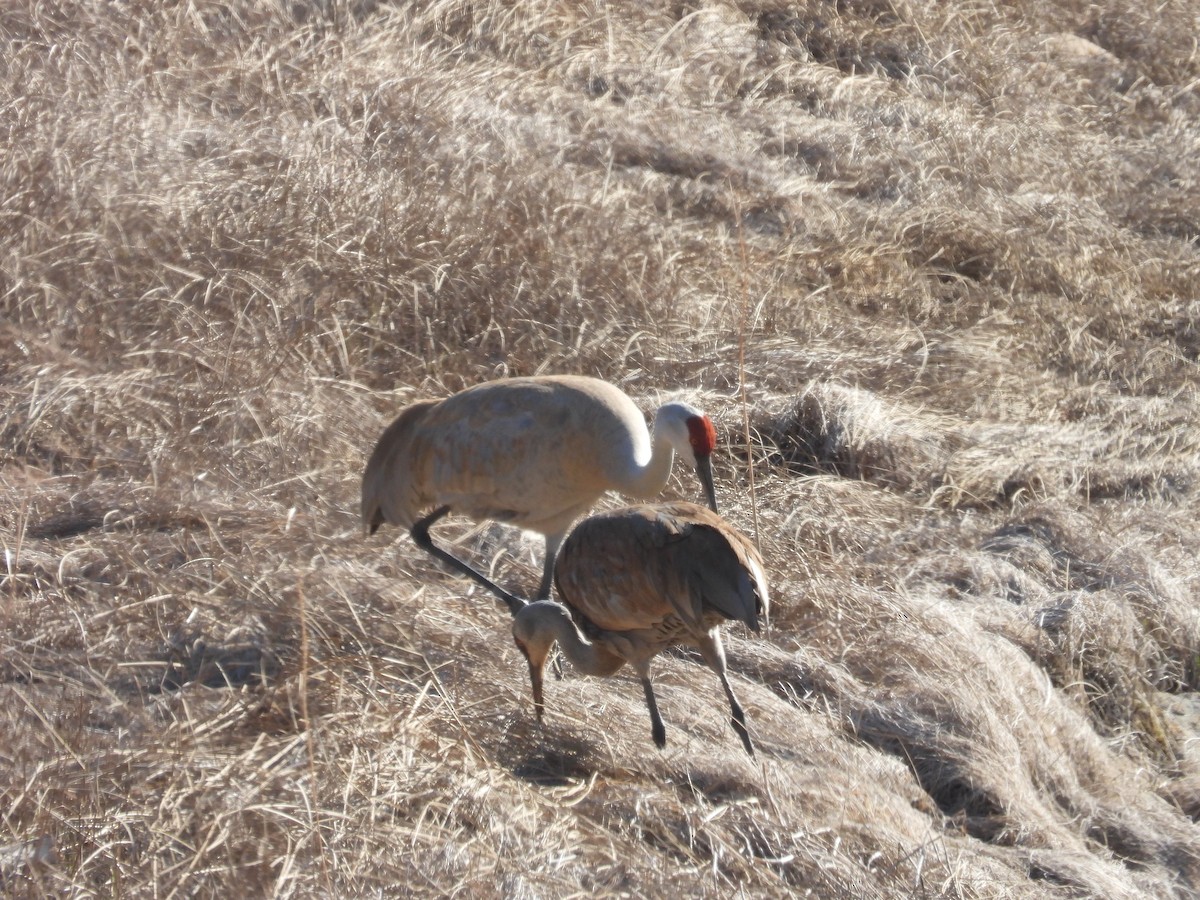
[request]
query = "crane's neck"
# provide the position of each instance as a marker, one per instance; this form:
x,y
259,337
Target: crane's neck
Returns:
x,y
650,478
539,624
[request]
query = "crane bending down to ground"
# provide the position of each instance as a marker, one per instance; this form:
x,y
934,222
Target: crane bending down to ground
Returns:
x,y
637,580
534,452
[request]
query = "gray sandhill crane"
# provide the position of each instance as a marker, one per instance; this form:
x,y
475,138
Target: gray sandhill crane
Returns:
x,y
637,580
534,452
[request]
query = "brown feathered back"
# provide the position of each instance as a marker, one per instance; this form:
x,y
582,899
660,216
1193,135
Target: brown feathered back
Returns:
x,y
634,568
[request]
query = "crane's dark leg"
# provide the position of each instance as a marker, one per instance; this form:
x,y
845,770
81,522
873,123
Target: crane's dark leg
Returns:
x,y
739,715
657,729
422,538
553,542
713,652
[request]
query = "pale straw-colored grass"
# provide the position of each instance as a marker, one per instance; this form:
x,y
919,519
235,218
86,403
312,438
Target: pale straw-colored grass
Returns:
x,y
933,269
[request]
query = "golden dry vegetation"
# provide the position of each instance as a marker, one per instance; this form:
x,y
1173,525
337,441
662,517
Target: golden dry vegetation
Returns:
x,y
933,267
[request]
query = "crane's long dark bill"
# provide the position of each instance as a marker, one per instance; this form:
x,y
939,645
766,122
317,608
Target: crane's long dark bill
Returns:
x,y
704,473
535,677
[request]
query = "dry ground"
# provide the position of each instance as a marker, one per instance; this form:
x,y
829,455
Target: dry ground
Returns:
x,y
933,267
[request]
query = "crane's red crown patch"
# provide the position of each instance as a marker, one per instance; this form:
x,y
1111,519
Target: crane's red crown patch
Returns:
x,y
702,434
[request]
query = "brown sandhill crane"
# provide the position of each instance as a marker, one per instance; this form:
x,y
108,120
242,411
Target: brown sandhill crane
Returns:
x,y
533,452
637,580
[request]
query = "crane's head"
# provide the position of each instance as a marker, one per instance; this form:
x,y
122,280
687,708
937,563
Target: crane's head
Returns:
x,y
694,438
535,628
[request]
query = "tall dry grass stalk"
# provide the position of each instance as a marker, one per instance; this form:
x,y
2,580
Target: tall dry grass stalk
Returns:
x,y
934,265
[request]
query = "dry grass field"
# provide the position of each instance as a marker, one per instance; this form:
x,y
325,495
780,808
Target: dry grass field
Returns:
x,y
932,267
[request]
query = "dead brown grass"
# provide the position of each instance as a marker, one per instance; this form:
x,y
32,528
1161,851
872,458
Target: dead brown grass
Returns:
x,y
949,251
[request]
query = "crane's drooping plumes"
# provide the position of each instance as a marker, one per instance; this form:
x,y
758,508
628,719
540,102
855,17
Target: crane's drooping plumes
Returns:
x,y
637,580
536,453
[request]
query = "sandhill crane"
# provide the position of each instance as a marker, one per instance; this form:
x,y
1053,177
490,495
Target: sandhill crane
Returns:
x,y
533,452
636,580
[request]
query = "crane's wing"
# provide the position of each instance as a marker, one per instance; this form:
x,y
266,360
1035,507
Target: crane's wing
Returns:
x,y
633,568
720,567
610,572
523,451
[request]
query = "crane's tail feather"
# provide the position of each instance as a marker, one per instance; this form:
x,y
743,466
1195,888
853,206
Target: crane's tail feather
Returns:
x,y
387,489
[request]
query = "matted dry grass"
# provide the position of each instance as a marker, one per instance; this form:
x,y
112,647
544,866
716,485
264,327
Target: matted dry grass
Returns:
x,y
934,269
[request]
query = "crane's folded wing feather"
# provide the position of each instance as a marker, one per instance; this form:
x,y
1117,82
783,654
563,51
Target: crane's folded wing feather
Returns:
x,y
634,568
723,575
